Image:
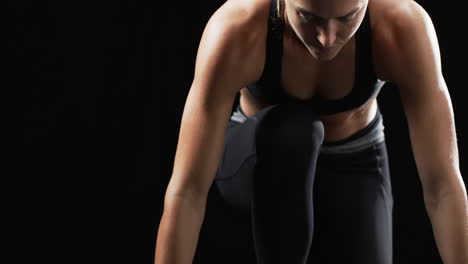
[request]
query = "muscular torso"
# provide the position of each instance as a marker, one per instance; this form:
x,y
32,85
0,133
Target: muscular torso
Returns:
x,y
304,77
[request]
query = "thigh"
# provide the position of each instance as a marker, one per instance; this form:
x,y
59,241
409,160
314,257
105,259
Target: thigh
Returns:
x,y
234,176
235,170
353,208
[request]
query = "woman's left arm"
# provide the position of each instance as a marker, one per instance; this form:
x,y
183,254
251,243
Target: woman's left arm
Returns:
x,y
413,63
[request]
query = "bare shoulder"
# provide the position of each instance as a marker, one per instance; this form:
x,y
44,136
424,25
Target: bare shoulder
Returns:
x,y
397,24
236,34
241,11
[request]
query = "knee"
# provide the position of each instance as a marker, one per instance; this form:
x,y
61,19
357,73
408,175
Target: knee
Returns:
x,y
289,126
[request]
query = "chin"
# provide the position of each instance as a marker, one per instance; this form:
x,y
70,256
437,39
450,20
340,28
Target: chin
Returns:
x,y
326,55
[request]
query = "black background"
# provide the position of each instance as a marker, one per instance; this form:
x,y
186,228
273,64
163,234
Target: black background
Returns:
x,y
99,90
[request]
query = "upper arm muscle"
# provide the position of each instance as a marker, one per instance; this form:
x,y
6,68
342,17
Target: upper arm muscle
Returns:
x,y
220,72
415,66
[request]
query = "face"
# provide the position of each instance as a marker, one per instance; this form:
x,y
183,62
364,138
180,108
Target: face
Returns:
x,y
324,26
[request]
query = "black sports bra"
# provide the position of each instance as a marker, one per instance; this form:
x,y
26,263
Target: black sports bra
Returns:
x,y
269,89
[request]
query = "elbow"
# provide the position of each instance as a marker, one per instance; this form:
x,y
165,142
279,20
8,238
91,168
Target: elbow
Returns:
x,y
187,194
451,184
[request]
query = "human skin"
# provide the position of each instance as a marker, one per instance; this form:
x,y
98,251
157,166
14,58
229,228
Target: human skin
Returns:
x,y
408,55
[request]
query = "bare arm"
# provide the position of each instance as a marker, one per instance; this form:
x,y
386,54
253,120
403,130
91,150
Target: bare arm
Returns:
x,y
415,66
221,70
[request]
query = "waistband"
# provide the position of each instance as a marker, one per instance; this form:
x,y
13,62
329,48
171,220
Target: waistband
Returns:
x,y
372,134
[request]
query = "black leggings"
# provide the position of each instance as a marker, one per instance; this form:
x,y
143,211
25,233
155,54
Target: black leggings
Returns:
x,y
307,205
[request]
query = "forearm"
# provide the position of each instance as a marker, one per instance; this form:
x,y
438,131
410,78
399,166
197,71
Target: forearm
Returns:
x,y
449,218
179,230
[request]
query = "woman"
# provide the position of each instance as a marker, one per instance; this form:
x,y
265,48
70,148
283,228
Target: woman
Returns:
x,y
304,153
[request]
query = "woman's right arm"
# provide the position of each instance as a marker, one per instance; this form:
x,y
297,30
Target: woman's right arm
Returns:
x,y
221,70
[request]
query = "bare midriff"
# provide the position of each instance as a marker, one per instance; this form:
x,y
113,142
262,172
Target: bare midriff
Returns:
x,y
337,126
